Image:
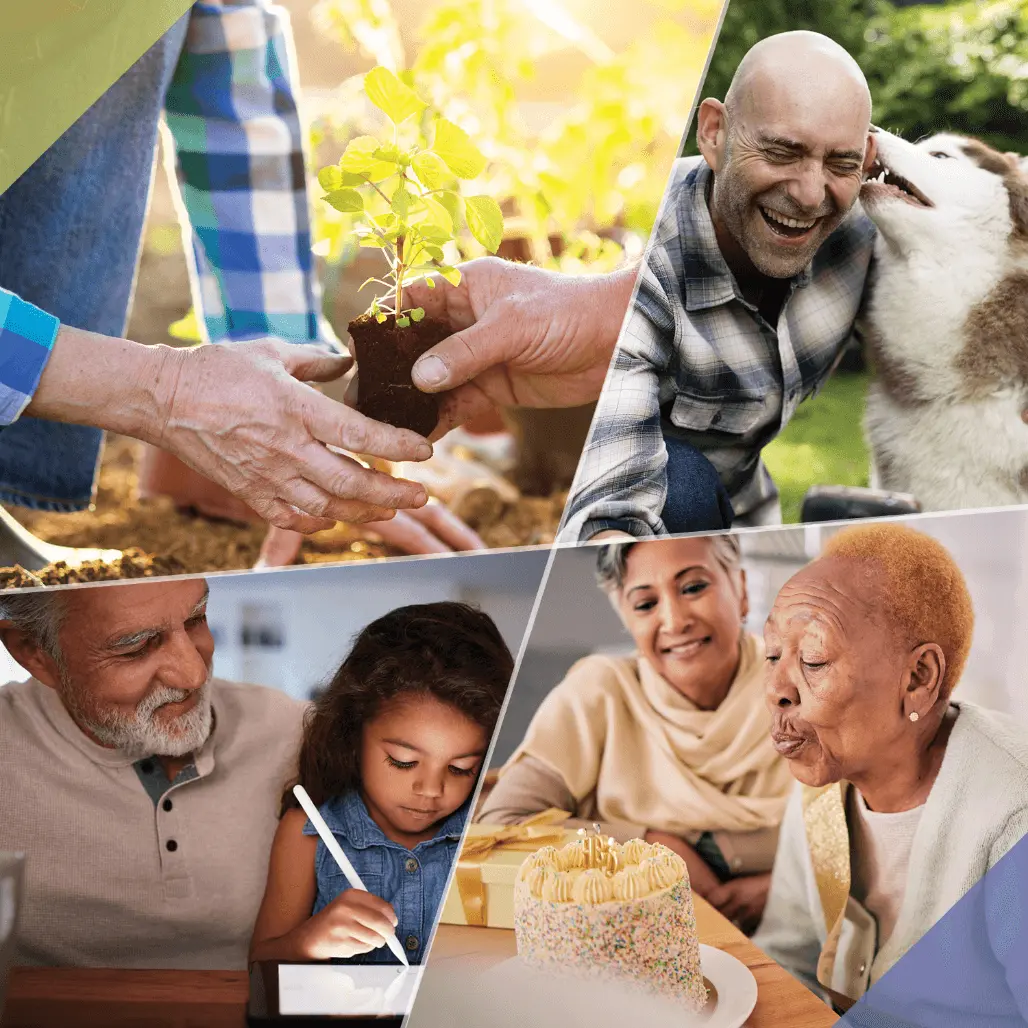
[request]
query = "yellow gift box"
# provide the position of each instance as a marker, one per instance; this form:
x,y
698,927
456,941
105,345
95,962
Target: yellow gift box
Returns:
x,y
482,890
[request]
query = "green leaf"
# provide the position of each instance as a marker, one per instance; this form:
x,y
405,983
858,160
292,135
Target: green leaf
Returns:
x,y
433,234
452,275
395,100
431,170
435,252
330,178
402,322
380,318
359,154
417,314
454,206
430,282
401,201
359,158
388,153
485,221
371,240
438,217
454,146
349,201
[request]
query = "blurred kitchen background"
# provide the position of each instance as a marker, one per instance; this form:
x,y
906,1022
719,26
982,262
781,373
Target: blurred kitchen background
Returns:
x,y
292,629
576,619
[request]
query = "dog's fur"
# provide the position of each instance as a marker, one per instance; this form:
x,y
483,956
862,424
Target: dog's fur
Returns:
x,y
946,323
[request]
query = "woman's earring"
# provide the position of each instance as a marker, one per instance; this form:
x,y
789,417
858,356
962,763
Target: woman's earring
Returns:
x,y
914,715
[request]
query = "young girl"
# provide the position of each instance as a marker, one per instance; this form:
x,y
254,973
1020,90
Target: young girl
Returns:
x,y
390,755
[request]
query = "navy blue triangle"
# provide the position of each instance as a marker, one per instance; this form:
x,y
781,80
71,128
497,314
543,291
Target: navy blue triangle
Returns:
x,y
970,970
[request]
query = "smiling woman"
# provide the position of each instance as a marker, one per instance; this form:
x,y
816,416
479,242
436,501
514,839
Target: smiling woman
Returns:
x,y
671,744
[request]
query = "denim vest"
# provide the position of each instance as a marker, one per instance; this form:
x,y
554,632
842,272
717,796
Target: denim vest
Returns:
x,y
411,881
70,232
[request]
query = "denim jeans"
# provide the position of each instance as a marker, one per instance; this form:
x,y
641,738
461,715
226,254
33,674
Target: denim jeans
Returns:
x,y
696,499
70,233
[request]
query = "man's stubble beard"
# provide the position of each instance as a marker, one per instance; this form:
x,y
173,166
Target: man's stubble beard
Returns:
x,y
138,734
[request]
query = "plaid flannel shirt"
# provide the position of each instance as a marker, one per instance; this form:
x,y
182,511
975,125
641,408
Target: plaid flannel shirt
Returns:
x,y
697,361
232,113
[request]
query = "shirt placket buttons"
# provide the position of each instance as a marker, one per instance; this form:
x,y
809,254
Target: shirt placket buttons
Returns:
x,y
412,942
412,865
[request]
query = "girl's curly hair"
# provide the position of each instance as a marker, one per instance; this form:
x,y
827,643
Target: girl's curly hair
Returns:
x,y
450,651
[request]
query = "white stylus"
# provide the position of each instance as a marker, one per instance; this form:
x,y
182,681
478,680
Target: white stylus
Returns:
x,y
340,858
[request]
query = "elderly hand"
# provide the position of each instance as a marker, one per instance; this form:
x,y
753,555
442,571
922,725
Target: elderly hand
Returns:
x,y
742,900
432,529
242,415
523,337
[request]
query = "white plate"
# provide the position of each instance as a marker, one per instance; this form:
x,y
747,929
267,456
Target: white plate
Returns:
x,y
537,996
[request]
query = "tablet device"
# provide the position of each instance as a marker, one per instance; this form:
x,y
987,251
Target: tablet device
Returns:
x,y
308,994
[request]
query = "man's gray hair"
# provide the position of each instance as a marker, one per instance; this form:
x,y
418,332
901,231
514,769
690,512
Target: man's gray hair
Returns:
x,y
612,560
40,616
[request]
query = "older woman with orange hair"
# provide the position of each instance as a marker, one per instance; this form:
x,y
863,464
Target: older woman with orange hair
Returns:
x,y
907,797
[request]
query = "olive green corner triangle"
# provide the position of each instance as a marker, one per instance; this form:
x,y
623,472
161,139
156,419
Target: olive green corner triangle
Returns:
x,y
59,57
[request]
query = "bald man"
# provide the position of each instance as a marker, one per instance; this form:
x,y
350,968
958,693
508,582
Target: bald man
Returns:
x,y
746,300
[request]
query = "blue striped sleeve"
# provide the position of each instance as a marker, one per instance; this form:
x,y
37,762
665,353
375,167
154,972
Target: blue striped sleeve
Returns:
x,y
27,337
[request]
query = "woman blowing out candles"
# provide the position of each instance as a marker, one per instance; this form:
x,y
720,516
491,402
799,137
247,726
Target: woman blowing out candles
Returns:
x,y
671,744
906,798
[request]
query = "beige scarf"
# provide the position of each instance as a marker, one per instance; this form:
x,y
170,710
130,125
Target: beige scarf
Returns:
x,y
630,747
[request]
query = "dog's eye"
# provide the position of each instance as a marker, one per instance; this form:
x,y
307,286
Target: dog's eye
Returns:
x,y
942,156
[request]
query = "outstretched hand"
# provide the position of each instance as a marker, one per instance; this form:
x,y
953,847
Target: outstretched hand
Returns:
x,y
242,415
523,337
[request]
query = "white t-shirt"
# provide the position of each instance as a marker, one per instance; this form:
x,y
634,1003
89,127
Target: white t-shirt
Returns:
x,y
880,847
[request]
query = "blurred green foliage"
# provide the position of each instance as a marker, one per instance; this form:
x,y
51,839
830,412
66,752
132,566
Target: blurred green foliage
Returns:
x,y
960,67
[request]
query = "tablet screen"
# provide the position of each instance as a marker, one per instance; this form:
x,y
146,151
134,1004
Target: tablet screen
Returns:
x,y
340,990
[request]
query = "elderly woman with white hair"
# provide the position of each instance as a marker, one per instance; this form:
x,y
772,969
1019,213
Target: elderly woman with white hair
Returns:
x,y
672,743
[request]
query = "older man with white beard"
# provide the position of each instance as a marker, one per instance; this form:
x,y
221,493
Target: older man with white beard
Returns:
x,y
143,791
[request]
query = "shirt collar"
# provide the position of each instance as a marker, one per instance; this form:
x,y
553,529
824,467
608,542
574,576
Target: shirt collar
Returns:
x,y
361,831
708,280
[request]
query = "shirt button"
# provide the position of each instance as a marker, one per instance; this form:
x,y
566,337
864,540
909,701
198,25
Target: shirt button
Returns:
x,y
171,845
412,865
716,418
166,804
863,968
412,942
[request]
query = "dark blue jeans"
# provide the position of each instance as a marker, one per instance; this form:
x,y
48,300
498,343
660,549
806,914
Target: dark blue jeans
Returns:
x,y
70,230
696,499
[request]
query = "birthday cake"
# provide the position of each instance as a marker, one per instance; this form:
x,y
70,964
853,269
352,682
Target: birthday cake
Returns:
x,y
597,909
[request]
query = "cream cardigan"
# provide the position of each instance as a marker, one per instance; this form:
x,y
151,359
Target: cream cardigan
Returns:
x,y
976,812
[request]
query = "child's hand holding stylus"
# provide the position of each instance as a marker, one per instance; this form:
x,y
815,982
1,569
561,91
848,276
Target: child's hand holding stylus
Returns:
x,y
354,922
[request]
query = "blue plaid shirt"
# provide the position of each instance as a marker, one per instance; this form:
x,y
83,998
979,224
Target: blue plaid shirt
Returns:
x,y
697,361
232,113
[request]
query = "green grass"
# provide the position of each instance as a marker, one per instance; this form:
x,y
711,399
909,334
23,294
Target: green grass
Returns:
x,y
822,445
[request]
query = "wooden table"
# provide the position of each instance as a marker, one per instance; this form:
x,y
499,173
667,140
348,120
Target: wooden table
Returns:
x,y
782,1002
81,997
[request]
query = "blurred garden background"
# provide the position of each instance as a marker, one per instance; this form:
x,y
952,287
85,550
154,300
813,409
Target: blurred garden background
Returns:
x,y
579,107
944,66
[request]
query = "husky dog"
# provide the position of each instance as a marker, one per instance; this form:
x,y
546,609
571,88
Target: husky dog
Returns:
x,y
946,322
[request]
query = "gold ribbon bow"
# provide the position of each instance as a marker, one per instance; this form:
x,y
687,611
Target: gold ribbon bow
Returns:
x,y
542,829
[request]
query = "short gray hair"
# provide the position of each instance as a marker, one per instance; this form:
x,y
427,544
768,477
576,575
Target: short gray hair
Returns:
x,y
612,560
40,616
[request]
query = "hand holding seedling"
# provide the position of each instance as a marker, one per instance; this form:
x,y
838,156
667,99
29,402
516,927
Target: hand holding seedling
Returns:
x,y
242,415
522,337
403,199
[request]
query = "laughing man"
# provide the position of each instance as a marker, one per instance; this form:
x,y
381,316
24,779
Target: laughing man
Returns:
x,y
746,300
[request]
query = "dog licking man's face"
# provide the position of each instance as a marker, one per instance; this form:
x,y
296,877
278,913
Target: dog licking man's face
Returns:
x,y
945,187
788,147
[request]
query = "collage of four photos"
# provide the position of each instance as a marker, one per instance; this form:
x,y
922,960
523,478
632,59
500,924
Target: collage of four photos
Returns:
x,y
514,514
